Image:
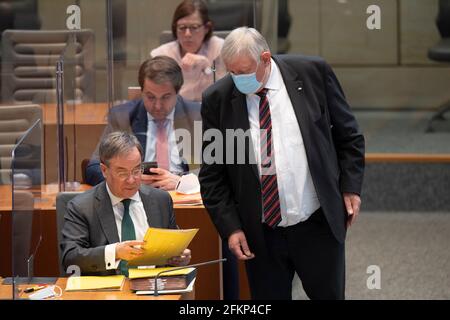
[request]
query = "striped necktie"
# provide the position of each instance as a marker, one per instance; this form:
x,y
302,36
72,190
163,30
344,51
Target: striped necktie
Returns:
x,y
269,185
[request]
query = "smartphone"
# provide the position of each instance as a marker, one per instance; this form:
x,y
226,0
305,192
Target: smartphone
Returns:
x,y
148,165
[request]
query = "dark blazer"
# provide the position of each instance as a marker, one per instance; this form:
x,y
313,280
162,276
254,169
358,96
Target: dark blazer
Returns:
x,y
132,117
89,225
333,143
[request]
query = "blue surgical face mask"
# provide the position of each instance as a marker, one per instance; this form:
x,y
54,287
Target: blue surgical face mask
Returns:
x,y
246,83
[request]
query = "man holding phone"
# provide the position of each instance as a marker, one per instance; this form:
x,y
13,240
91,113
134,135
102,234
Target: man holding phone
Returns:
x,y
157,120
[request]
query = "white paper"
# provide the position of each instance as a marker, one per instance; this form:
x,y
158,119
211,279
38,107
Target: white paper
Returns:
x,y
188,184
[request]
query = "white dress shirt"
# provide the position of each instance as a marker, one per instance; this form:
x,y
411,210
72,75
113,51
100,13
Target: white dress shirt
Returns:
x,y
150,149
298,197
139,218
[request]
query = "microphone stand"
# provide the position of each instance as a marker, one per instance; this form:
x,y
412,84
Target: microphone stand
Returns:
x,y
155,292
214,70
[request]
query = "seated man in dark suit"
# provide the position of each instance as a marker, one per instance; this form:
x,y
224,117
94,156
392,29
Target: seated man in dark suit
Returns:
x,y
159,119
104,227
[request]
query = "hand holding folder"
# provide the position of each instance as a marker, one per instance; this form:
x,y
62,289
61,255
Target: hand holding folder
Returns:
x,y
163,244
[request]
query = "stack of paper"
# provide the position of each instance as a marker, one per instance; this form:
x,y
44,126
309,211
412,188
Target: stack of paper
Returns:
x,y
93,283
144,279
194,199
189,288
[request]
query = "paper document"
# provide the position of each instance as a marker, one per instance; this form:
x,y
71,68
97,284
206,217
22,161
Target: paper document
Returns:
x,y
162,244
188,184
90,283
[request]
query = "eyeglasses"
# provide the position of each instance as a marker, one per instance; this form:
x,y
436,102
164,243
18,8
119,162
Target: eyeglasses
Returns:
x,y
195,28
124,175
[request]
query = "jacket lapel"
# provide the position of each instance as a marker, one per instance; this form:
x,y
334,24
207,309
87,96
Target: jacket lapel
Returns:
x,y
182,121
149,205
105,214
139,125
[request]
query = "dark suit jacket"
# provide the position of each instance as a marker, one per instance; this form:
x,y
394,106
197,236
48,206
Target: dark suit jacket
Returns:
x,y
89,225
333,143
132,117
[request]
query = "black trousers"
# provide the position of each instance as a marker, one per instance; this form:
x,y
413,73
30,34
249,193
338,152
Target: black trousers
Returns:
x,y
307,248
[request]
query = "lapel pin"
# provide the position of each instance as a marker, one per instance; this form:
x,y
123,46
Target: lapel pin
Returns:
x,y
299,88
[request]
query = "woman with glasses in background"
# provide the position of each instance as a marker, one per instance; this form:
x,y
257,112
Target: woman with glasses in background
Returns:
x,y
195,49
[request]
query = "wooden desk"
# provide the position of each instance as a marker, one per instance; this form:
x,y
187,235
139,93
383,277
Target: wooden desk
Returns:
x,y
124,294
83,113
205,246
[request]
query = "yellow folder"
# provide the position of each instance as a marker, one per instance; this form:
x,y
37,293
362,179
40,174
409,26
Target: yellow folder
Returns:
x,y
90,283
162,244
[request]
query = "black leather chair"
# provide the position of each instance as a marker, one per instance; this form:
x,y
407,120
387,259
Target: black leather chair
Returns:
x,y
441,53
62,199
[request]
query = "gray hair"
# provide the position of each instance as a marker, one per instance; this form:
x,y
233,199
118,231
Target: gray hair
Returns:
x,y
117,143
244,41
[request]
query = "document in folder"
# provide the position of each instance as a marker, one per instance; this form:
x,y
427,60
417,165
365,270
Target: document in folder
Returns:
x,y
144,279
162,244
94,283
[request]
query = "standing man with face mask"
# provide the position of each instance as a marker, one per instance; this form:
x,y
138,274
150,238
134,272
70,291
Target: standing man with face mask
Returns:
x,y
287,206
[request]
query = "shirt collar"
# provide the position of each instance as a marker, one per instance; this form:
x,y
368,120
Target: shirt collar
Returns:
x,y
115,200
170,116
275,80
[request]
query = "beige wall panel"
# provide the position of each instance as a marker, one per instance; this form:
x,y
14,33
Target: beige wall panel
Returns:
x,y
304,32
93,16
145,21
418,31
423,87
345,38
53,13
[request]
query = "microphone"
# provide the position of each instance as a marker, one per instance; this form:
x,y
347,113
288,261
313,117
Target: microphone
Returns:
x,y
155,292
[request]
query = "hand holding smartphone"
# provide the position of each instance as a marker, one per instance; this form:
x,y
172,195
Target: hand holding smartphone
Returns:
x,y
148,165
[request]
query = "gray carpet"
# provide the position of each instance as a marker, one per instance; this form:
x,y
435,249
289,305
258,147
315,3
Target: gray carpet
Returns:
x,y
406,187
411,249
